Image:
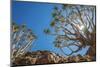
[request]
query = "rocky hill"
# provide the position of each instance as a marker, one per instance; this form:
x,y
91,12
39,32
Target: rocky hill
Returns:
x,y
47,57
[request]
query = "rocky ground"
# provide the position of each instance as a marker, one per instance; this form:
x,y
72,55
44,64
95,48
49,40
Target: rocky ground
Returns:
x,y
47,57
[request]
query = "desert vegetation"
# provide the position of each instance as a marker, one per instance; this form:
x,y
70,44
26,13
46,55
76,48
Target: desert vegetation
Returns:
x,y
72,26
21,40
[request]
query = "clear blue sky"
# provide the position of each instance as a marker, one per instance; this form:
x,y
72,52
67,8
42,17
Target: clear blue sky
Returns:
x,y
37,16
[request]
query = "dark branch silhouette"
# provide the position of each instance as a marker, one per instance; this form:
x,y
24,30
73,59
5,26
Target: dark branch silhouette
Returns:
x,y
74,25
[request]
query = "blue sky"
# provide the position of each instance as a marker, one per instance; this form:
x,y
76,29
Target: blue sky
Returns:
x,y
37,16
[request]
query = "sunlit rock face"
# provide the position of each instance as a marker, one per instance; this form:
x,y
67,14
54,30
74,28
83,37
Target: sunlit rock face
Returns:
x,y
38,57
47,57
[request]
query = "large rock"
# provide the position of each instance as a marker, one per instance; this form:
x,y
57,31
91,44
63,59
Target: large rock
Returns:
x,y
47,57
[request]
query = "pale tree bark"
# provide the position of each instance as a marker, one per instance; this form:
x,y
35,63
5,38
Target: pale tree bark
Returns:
x,y
21,40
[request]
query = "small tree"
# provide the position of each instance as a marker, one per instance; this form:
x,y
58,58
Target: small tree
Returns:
x,y
74,25
21,40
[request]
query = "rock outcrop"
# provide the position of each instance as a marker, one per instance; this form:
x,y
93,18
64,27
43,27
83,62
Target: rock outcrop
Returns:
x,y
47,57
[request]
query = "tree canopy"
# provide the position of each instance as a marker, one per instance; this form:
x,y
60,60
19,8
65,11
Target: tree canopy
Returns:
x,y
21,40
74,25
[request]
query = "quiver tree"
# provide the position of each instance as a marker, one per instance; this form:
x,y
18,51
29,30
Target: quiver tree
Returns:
x,y
74,25
21,40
